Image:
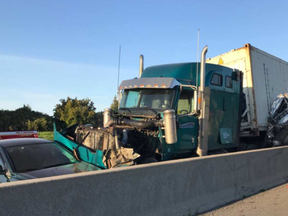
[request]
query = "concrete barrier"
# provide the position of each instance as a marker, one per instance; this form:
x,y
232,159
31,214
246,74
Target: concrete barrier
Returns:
x,y
180,187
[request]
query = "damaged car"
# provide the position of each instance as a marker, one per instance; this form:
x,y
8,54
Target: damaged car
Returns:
x,y
277,133
29,158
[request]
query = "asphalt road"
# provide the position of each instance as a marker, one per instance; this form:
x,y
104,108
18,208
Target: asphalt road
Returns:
x,y
271,202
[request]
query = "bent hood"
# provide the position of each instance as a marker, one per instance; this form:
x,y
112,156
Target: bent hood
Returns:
x,y
84,153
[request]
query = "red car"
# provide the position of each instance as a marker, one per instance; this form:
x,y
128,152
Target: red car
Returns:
x,y
18,134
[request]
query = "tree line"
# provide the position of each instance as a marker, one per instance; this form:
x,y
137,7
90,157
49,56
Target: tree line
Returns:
x,y
68,112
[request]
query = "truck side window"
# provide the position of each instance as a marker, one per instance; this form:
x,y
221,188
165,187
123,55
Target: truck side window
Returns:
x,y
228,82
185,102
216,79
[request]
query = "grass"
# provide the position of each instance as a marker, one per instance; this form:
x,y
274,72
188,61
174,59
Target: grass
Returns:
x,y
46,135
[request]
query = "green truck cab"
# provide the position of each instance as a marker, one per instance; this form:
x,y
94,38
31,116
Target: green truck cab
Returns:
x,y
178,110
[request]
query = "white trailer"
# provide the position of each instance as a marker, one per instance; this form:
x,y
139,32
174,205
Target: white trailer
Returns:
x,y
265,77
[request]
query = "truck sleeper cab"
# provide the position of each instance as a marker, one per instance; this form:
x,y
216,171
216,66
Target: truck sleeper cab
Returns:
x,y
264,78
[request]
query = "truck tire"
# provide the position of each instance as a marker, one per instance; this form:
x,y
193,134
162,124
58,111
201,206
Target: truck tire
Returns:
x,y
282,136
252,146
263,144
148,160
242,146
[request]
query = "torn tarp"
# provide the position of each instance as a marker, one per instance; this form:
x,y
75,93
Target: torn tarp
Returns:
x,y
277,133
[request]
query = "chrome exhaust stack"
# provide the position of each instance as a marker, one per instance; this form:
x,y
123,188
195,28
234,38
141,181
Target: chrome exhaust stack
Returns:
x,y
202,70
141,65
107,119
203,100
107,115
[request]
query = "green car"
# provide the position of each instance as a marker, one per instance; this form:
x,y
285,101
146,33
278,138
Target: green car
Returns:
x,y
29,158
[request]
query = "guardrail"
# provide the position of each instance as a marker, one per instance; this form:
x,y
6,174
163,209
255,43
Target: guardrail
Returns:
x,y
180,187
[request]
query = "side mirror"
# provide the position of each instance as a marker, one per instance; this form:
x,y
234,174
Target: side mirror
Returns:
x,y
236,75
2,170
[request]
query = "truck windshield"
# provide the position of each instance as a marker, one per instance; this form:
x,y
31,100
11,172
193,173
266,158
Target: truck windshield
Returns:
x,y
147,98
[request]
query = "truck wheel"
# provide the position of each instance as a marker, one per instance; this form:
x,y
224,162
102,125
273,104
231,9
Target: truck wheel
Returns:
x,y
281,136
242,146
252,147
148,160
262,144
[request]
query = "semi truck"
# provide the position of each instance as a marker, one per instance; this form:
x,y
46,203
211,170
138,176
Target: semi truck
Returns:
x,y
168,112
186,109
180,110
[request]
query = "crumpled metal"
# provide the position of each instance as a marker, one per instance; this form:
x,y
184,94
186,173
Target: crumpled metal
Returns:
x,y
283,120
276,104
278,119
279,108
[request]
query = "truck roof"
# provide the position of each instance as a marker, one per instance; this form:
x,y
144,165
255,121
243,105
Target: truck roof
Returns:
x,y
183,72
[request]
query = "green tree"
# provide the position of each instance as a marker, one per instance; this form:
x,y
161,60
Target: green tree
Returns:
x,y
72,111
40,124
30,125
25,118
114,105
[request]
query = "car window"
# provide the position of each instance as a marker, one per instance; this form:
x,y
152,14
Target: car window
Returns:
x,y
38,156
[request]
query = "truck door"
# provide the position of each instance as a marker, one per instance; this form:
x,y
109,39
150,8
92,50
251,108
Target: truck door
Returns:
x,y
187,130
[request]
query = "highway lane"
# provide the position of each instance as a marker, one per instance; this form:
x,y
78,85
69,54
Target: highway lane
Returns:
x,y
268,203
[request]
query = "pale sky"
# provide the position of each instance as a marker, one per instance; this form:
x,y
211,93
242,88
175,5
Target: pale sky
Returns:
x,y
50,50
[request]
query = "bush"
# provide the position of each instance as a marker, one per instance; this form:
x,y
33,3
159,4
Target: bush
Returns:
x,y
46,135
